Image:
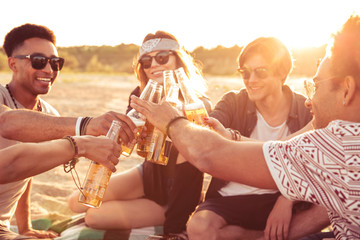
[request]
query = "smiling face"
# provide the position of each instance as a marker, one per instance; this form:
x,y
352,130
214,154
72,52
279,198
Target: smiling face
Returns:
x,y
25,77
155,71
260,87
327,102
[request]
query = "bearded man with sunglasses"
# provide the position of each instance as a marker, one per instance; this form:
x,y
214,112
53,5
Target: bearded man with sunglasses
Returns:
x,y
34,61
319,166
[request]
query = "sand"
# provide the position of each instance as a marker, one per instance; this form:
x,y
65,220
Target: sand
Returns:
x,y
92,95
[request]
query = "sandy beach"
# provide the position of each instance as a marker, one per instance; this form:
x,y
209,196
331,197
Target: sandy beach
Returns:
x,y
92,95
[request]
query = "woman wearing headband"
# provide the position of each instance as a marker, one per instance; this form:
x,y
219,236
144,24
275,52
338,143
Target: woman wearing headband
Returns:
x,y
152,194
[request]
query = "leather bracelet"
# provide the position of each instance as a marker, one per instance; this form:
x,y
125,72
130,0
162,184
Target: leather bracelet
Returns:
x,y
171,122
71,164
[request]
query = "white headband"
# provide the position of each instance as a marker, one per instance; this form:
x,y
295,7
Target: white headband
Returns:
x,y
158,44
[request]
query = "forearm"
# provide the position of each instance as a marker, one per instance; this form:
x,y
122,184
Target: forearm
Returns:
x,y
30,126
28,159
213,154
22,213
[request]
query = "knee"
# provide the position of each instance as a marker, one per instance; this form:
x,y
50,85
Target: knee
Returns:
x,y
198,226
74,204
91,218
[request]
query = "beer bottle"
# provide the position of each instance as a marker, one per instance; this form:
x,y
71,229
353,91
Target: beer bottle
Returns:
x,y
194,108
169,80
98,176
142,145
137,118
159,148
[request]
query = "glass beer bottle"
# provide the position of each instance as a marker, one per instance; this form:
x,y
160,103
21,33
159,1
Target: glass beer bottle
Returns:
x,y
169,80
194,108
142,146
98,176
159,147
137,118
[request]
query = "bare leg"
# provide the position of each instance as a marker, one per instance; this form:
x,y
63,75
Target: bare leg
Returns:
x,y
307,222
126,214
204,225
303,223
123,186
123,206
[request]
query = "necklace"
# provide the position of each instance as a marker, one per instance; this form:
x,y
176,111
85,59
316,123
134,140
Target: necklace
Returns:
x,y
38,105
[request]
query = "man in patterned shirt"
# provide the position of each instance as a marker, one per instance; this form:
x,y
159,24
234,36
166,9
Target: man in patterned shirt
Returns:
x,y
320,166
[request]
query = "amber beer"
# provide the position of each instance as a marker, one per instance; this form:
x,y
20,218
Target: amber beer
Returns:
x,y
98,176
127,150
142,146
196,112
138,118
159,148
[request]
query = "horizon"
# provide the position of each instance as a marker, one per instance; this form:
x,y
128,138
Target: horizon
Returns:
x,y
203,23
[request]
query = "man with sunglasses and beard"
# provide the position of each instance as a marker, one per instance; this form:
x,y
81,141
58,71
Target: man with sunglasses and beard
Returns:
x,y
34,61
266,109
319,166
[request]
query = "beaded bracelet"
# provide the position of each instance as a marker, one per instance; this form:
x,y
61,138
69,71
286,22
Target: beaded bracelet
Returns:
x,y
71,164
172,121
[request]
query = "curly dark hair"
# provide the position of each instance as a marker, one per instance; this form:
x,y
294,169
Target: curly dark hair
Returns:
x,y
16,37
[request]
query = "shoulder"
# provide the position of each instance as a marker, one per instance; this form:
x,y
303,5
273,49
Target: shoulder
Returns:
x,y
5,97
235,95
47,108
136,91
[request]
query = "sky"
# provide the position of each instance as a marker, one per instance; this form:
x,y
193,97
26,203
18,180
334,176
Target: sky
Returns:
x,y
207,23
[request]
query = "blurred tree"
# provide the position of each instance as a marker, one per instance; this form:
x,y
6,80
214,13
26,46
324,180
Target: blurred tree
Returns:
x,y
215,61
71,63
3,61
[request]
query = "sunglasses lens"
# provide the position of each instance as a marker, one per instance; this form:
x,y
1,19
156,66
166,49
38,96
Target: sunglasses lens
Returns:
x,y
245,73
261,72
56,63
162,57
38,62
145,61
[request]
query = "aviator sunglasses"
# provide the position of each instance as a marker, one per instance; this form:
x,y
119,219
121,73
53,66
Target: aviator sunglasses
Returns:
x,y
161,58
39,61
260,72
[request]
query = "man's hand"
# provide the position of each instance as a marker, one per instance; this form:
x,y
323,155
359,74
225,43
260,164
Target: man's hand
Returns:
x,y
99,149
40,233
157,114
278,222
216,125
101,124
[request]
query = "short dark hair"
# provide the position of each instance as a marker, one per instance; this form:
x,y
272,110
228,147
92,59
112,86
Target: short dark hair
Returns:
x,y
345,50
16,37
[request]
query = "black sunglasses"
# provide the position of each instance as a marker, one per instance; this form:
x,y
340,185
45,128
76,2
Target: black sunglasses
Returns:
x,y
161,58
260,72
39,61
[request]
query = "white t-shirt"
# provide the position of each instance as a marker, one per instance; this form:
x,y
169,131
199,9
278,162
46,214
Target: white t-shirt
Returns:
x,y
262,131
322,167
